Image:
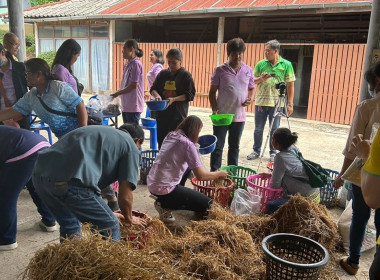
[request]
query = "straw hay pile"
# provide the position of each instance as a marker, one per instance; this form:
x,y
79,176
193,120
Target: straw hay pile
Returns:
x,y
223,247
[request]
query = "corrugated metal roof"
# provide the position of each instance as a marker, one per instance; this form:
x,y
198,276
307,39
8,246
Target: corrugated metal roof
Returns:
x,y
93,8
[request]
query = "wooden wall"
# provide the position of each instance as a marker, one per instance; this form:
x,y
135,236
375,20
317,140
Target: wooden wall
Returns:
x,y
335,79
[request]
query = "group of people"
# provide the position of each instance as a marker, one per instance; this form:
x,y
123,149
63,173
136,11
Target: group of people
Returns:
x,y
68,190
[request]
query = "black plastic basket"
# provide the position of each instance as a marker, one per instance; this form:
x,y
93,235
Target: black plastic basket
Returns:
x,y
290,256
147,159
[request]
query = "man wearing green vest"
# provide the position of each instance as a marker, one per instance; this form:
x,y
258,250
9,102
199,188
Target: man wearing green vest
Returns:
x,y
269,72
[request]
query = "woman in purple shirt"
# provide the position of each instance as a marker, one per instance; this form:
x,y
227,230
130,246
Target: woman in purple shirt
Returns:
x,y
178,153
157,59
64,60
132,85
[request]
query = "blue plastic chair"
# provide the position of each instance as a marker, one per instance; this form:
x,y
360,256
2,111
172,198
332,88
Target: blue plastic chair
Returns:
x,y
40,125
152,130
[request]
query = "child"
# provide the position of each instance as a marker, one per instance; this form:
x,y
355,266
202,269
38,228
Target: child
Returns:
x,y
288,171
177,154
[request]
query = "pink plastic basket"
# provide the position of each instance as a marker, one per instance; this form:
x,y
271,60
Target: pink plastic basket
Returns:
x,y
260,183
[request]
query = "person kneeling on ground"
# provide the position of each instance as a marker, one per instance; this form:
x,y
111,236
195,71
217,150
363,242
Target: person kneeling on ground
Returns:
x,y
68,177
178,153
288,171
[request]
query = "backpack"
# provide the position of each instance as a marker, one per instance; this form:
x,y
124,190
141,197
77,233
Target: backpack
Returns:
x,y
318,176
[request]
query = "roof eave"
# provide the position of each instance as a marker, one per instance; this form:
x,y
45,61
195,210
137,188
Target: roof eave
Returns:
x,y
212,12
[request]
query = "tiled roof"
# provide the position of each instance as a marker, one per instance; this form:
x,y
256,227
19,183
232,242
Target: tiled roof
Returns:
x,y
101,8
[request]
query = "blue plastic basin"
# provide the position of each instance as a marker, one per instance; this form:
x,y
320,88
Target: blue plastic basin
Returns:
x,y
207,144
157,105
148,122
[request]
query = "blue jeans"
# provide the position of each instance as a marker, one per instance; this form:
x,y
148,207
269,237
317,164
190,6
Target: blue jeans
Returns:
x,y
273,205
262,113
13,178
73,204
131,117
235,131
360,216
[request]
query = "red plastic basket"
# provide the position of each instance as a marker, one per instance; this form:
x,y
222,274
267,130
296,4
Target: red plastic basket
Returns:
x,y
219,194
260,183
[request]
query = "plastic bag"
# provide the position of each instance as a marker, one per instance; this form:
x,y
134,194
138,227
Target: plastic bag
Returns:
x,y
94,102
353,172
110,105
344,224
245,203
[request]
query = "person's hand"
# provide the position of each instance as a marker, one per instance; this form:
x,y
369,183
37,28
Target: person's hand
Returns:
x,y
289,109
119,216
338,182
360,146
138,221
157,98
222,174
11,123
247,102
171,101
265,76
115,94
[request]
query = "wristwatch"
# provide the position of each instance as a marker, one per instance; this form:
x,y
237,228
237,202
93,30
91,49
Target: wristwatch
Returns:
x,y
291,105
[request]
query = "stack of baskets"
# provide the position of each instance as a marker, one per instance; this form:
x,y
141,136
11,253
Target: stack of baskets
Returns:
x,y
220,194
238,175
329,194
147,159
260,183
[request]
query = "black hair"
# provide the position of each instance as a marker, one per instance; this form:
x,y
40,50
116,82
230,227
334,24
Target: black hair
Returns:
x,y
191,127
274,45
65,53
175,53
158,54
370,76
132,43
376,69
133,129
284,137
38,64
235,45
2,47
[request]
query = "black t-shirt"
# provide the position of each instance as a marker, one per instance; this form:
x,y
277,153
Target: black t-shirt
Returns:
x,y
168,85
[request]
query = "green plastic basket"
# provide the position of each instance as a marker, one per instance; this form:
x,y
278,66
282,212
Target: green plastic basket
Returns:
x,y
238,175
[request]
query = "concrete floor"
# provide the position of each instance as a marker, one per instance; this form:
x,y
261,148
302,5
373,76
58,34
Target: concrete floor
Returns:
x,y
318,141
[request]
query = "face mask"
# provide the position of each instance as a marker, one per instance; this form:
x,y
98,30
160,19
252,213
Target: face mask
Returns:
x,y
2,62
371,92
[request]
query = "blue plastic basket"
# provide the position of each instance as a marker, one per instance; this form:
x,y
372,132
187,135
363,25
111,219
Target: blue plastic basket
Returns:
x,y
147,159
329,194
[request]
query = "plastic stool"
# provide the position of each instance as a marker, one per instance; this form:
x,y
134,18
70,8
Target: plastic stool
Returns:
x,y
153,135
36,127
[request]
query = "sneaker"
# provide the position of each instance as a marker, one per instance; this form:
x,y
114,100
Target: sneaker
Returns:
x,y
348,266
165,215
8,247
253,155
48,227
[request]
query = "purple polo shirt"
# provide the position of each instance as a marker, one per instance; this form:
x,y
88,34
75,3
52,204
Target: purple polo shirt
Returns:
x,y
64,74
153,72
232,89
176,155
133,101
